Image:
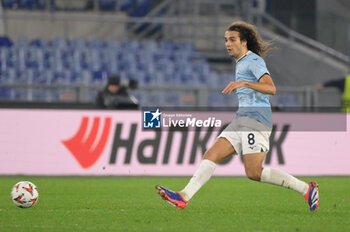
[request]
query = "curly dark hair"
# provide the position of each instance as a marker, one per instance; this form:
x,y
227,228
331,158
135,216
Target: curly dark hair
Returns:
x,y
250,34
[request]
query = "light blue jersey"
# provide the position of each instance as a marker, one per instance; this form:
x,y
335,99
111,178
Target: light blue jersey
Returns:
x,y
253,104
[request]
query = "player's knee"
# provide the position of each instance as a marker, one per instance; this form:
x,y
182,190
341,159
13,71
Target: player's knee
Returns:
x,y
209,155
254,174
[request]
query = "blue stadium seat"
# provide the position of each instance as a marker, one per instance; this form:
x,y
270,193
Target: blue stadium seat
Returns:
x,y
27,4
149,45
21,43
59,43
140,8
182,57
77,44
94,43
166,45
110,62
130,46
78,78
41,4
177,79
29,75
12,4
40,78
5,42
5,93
148,67
99,77
5,77
107,5
38,43
160,56
126,5
188,47
113,44
5,58
60,77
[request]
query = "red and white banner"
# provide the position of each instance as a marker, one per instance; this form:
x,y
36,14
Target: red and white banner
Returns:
x,y
91,142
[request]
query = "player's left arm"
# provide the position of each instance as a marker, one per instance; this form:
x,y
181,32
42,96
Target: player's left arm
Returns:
x,y
265,85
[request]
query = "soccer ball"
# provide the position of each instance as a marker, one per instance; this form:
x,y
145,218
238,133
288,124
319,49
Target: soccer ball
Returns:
x,y
24,194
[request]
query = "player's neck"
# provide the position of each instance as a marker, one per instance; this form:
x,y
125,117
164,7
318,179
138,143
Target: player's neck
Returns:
x,y
242,55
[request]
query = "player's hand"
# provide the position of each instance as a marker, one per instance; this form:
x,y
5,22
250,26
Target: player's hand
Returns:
x,y
232,86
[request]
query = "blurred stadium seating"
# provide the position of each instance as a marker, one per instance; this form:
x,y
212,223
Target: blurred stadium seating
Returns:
x,y
136,8
91,62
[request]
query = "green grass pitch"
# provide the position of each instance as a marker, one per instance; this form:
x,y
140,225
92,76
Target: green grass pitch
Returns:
x,y
131,204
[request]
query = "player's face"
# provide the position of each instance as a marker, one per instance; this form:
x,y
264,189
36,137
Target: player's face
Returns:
x,y
235,47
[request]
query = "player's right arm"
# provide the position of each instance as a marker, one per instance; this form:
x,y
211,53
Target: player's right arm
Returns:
x,y
265,85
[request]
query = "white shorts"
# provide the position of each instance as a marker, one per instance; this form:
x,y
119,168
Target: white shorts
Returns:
x,y
247,136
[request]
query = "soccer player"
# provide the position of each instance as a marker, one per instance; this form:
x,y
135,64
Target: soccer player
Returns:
x,y
249,132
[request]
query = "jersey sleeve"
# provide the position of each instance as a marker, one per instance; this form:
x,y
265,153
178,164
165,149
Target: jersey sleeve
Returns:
x,y
258,68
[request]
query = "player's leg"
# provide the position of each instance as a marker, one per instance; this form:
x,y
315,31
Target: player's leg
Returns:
x,y
279,177
253,165
221,149
255,171
255,143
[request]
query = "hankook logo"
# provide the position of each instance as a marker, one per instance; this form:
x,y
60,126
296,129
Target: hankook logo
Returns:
x,y
81,145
